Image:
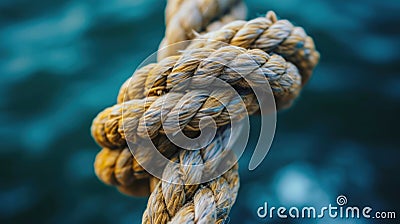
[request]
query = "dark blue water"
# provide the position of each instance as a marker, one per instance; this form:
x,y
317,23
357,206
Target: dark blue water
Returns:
x,y
61,62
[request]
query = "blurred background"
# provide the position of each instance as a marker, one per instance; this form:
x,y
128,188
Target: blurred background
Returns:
x,y
61,62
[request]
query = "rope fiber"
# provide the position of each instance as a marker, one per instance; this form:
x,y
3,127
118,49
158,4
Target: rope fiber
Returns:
x,y
261,52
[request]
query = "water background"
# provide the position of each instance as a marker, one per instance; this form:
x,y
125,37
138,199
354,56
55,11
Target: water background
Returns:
x,y
61,62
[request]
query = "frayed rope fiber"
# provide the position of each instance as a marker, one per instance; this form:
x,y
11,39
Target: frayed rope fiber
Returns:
x,y
219,46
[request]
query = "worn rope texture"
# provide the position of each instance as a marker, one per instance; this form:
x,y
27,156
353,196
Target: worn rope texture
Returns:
x,y
142,117
210,201
267,33
159,78
283,78
142,76
184,18
205,203
119,168
270,35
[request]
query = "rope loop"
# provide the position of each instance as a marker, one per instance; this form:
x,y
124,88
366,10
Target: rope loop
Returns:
x,y
213,79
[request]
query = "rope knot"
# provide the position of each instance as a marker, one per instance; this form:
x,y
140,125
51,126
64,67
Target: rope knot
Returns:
x,y
175,119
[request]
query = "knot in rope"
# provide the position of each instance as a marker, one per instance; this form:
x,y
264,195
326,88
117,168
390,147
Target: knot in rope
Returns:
x,y
179,92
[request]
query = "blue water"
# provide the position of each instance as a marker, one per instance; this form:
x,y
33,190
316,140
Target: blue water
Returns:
x,y
61,62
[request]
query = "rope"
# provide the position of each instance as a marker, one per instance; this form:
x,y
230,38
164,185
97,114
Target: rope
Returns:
x,y
119,168
270,35
266,33
185,17
142,116
169,200
261,48
211,203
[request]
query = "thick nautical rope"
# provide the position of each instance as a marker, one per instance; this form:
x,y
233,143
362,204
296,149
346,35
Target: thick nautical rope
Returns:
x,y
283,78
154,79
118,167
211,201
116,164
142,76
142,116
206,202
184,18
267,33
270,35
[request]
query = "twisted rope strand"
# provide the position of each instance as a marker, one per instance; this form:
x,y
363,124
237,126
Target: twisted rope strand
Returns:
x,y
183,17
182,78
177,189
118,167
172,189
266,33
143,117
112,125
133,89
216,196
238,11
270,35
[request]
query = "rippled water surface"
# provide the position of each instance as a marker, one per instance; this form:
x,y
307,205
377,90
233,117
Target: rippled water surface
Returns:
x,y
63,61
